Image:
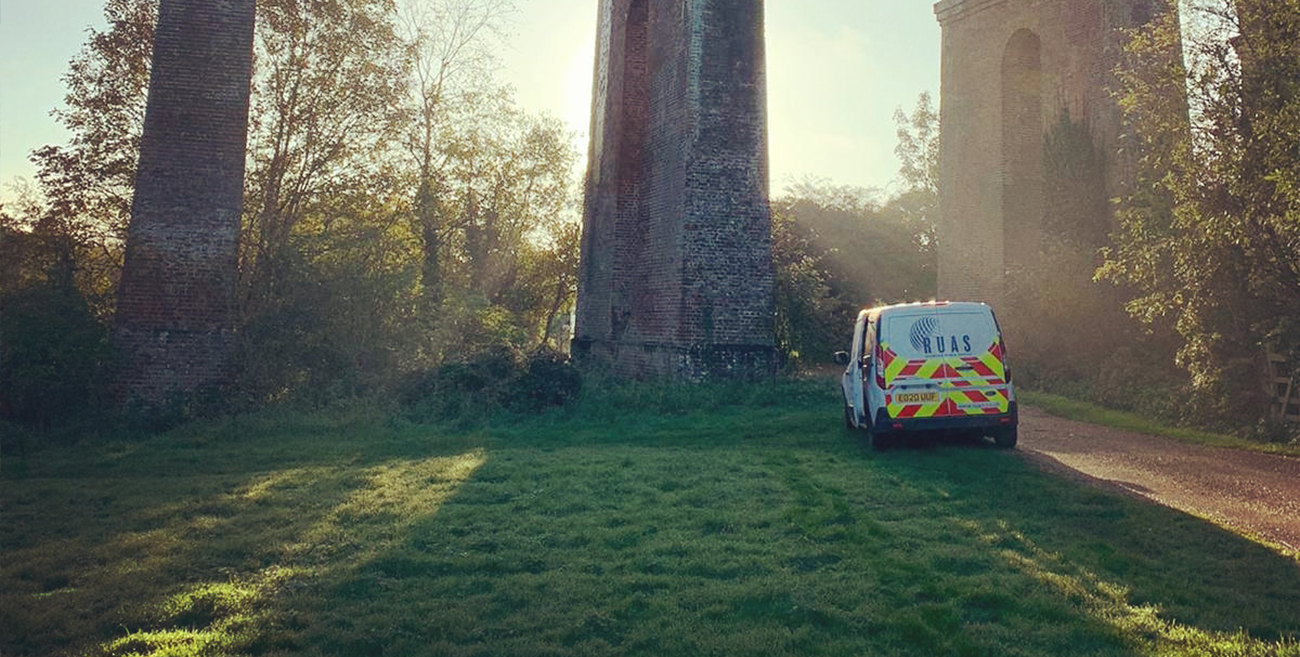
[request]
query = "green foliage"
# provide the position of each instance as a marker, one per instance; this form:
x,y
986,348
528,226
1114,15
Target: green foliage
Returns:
x,y
89,182
1210,241
918,157
55,357
707,520
486,383
336,325
507,229
1077,211
1067,332
806,314
918,145
326,89
835,252
376,245
400,210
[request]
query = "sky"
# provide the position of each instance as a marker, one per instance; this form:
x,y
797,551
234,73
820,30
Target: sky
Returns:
x,y
837,71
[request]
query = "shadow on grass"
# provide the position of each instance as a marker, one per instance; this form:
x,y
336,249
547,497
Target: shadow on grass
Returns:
x,y
180,544
797,541
757,529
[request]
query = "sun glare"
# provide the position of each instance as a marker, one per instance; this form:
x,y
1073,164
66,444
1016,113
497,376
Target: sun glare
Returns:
x,y
578,85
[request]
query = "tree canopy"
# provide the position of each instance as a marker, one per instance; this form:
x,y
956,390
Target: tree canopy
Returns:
x,y
401,211
1210,237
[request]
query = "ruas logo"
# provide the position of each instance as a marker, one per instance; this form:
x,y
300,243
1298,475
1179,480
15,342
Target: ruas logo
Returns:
x,y
922,330
925,338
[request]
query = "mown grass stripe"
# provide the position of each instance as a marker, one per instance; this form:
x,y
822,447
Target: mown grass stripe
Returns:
x,y
715,520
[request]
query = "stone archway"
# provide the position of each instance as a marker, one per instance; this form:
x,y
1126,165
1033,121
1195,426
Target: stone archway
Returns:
x,y
1010,68
1022,151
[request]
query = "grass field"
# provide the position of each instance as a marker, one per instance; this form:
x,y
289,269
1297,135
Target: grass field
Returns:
x,y
723,520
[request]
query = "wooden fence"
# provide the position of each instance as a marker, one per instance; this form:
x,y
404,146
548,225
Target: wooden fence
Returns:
x,y
1283,388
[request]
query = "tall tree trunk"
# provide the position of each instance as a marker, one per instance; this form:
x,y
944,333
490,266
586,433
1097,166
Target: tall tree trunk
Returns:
x,y
428,215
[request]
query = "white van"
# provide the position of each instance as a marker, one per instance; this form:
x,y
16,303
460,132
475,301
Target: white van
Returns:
x,y
937,366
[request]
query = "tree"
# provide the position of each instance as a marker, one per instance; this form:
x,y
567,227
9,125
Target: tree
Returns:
x,y
61,243
400,209
1055,301
835,252
340,320
88,184
324,253
559,270
451,60
508,181
329,77
806,316
55,353
1210,238
1077,212
918,157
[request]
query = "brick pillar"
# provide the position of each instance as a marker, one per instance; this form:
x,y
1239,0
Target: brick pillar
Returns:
x,y
175,311
677,277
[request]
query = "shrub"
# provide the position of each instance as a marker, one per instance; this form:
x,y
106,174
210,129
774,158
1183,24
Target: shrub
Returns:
x,y
497,379
55,357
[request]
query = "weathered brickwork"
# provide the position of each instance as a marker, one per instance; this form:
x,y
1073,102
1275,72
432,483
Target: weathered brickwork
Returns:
x,y
1010,68
677,273
175,309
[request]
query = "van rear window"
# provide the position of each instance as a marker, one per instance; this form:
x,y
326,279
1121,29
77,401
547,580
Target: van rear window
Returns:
x,y
913,336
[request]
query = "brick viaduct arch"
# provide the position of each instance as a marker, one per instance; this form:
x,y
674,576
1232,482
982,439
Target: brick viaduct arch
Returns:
x,y
677,276
1011,69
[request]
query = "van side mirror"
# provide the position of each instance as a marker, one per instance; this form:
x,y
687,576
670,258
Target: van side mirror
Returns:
x,y
842,357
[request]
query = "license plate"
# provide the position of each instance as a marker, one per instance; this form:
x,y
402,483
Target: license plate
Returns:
x,y
925,397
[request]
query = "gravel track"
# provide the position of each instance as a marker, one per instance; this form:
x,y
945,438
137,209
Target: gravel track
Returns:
x,y
1254,494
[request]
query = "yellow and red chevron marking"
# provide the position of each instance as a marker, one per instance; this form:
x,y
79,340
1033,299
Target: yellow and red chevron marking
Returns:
x,y
888,358
969,385
986,368
988,401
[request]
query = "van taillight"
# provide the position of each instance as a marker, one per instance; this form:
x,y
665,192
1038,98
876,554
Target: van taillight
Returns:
x,y
1006,369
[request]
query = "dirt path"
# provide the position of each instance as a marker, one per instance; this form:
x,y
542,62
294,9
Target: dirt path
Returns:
x,y
1255,494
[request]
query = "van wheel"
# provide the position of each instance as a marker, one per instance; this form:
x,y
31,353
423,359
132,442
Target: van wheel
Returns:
x,y
1005,438
879,441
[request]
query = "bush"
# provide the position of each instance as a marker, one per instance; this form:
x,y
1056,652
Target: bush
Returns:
x,y
1069,335
498,379
549,379
55,357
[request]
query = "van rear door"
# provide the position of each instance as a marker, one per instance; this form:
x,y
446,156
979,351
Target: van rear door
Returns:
x,y
943,361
